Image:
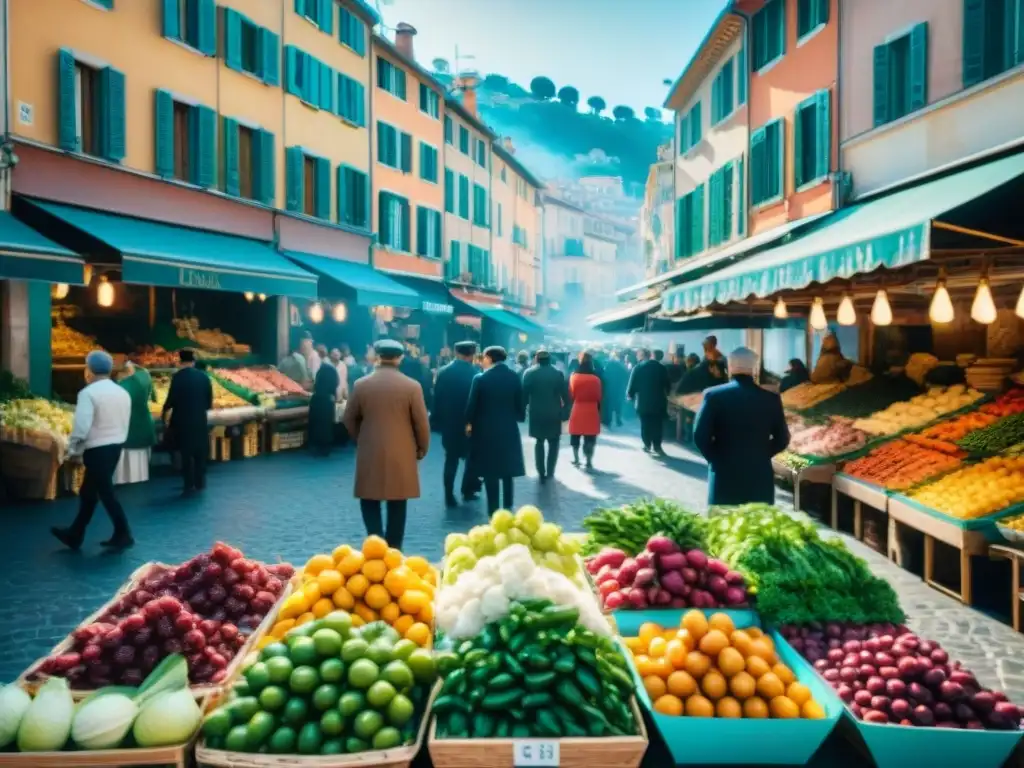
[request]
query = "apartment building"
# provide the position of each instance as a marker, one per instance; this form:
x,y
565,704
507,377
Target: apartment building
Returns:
x,y
515,244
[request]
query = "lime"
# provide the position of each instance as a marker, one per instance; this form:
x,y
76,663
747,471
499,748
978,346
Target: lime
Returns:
x,y
378,629
272,650
241,688
333,747
243,708
282,742
387,738
353,649
257,676
303,680
446,661
332,671
332,723
363,673
403,648
236,739
273,697
380,694
399,675
380,652
217,723
310,739
303,651
353,745
367,723
215,742
305,630
295,711
259,730
279,669
422,665
325,697
339,621
351,703
327,643
400,710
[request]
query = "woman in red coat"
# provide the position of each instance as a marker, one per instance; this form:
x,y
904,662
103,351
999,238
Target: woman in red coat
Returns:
x,y
585,418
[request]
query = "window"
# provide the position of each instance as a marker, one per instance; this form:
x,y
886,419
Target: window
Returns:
x,y
353,197
499,219
182,129
769,33
810,14
449,191
430,102
573,246
453,268
464,197
721,93
479,206
308,183
394,148
992,38
720,205
463,139
391,78
91,108
504,176
186,141
767,159
250,48
519,236
523,189
352,31
741,199
86,95
192,22
428,162
248,161
481,153
449,132
480,266
393,221
901,75
351,100
428,232
309,79
812,139
690,223
317,11
690,129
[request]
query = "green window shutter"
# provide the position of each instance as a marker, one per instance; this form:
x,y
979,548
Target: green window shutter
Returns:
x,y
406,153
881,83
438,246
325,19
421,231
384,218
300,7
716,98
973,46
758,169
449,190
382,142
205,147
741,74
291,56
918,67
322,201
713,206
326,95
448,130
1018,46
360,182
345,192
359,102
112,117
232,38
741,199
680,227
684,133
400,82
821,9
264,188
454,260
464,196
823,139
230,133
801,175
777,183
780,27
406,210
164,138
311,70
172,19
698,218
206,26
293,179
67,130
270,56
695,125
726,213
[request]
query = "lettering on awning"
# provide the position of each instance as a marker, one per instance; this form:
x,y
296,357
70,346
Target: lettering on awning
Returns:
x,y
198,278
437,308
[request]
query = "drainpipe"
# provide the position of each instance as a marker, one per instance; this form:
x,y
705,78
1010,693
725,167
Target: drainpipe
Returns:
x,y
370,82
748,61
837,177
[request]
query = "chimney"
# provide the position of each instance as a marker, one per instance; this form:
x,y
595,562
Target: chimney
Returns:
x,y
404,33
468,82
506,142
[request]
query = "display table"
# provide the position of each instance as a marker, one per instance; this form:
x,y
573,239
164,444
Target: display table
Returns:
x,y
862,493
1014,555
816,473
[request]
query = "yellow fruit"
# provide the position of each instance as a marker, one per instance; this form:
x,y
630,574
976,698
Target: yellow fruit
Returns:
x,y
366,613
754,632
741,642
697,664
634,644
656,647
418,565
676,652
397,580
431,577
812,710
318,563
755,708
648,631
799,693
695,623
730,661
357,620
264,641
311,591
374,548
294,606
281,628
351,563
426,615
681,684
655,687
698,706
375,570
376,597
722,623
322,607
419,633
728,707
357,585
714,642
669,705
742,685
714,684
769,686
757,667
413,601
763,650
393,558
402,624
389,612
304,619
343,599
783,708
329,580
340,552
784,673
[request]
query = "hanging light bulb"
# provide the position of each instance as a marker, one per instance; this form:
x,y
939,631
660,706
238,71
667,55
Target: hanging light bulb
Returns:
x,y
60,291
941,308
847,314
881,312
1020,304
339,313
983,310
105,293
249,296
781,313
263,297
87,275
818,320
316,313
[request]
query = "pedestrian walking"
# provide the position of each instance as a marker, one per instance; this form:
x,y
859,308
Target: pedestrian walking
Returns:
x,y
138,446
585,418
493,414
739,427
102,418
648,388
189,399
326,385
616,379
448,417
546,400
387,417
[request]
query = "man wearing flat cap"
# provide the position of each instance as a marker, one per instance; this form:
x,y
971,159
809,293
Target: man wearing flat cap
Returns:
x,y
386,416
451,394
546,400
189,399
739,427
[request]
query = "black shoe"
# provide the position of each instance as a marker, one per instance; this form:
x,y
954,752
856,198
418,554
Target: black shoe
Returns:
x,y
118,542
660,451
451,501
470,496
543,478
67,538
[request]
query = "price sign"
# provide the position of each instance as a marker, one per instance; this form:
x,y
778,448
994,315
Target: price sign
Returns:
x,y
534,753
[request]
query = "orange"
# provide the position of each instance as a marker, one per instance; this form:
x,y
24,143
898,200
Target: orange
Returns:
x,y
648,631
714,684
351,563
329,581
668,705
784,673
697,664
742,685
645,665
687,639
633,644
754,632
341,551
357,620
661,667
397,581
366,613
426,614
431,577
413,601
714,642
392,558
343,599
294,606
783,708
698,706
318,563
311,592
374,548
681,684
762,649
812,710
722,623
281,628
769,686
799,693
757,666
656,647
670,634
741,642
304,619
390,612
402,624
357,585
376,597
755,708
418,565
375,570
695,623
322,607
730,661
655,687
419,633
728,707
676,652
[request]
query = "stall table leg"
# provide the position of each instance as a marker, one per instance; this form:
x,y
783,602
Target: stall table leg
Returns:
x,y
835,509
857,520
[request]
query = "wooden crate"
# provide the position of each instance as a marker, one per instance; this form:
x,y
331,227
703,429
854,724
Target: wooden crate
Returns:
x,y
220,448
28,472
251,439
287,441
618,751
177,756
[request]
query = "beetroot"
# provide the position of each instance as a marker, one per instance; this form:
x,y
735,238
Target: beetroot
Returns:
x,y
923,716
899,708
671,563
845,692
645,560
614,601
951,691
875,685
637,598
717,567
895,687
908,667
673,582
608,556
863,698
889,672
881,703
662,545
934,678
627,571
697,559
734,578
717,586
644,576
984,702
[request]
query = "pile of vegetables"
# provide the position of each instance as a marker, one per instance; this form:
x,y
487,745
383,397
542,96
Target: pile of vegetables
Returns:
x,y
919,410
1007,404
976,490
836,438
944,435
664,576
536,672
807,395
887,674
996,437
797,576
792,461
899,465
864,399
160,712
628,528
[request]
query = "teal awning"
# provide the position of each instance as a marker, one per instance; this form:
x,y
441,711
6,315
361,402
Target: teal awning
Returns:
x,y
27,255
892,231
630,316
371,288
513,320
153,253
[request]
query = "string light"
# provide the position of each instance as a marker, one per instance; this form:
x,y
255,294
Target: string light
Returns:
x,y
818,320
105,293
847,314
881,312
340,312
941,308
60,290
983,310
316,313
263,297
780,312
249,296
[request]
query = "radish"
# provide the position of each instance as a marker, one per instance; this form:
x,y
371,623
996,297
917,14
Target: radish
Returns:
x,y
662,545
697,559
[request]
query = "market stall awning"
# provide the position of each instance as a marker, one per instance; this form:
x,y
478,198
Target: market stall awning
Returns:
x,y
435,298
892,231
153,253
714,321
27,255
506,317
623,318
371,287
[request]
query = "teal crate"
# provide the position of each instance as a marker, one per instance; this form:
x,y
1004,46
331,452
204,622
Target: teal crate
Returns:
x,y
897,746
629,621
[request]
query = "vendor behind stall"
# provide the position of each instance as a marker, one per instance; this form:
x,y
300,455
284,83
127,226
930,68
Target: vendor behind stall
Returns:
x,y
831,366
134,464
294,367
795,375
708,373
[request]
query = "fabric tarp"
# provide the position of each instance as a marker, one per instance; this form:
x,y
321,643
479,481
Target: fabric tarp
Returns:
x,y
27,255
508,318
625,317
371,287
435,298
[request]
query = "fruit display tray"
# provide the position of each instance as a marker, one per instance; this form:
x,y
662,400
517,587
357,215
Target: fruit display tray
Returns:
x,y
178,756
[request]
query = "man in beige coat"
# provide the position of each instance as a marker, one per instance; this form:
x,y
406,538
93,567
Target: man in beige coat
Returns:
x,y
387,417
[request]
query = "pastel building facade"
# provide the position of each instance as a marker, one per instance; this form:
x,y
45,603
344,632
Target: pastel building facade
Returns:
x,y
516,244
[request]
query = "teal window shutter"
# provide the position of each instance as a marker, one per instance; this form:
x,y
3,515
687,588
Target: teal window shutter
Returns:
x,y
881,83
436,235
758,167
726,213
232,39
325,18
270,56
464,196
973,46
172,19
406,210
231,174
741,74
264,188
918,69
499,219
322,201
424,163
449,190
449,131
455,259
164,138
802,174
1018,47
823,139
714,184
345,196
406,153
741,198
716,98
680,227
311,85
684,133
300,7
384,218
206,26
291,55
698,219
67,130
421,230
326,95
359,102
695,125
293,179
204,150
112,116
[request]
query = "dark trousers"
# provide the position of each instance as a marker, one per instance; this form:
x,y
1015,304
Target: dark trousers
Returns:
x,y
469,486
193,467
493,487
651,430
589,441
98,485
615,413
546,465
374,522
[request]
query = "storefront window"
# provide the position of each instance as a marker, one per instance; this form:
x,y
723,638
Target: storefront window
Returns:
x,y
182,142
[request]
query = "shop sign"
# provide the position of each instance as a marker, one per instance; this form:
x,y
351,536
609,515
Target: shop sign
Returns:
x,y
535,753
199,278
437,308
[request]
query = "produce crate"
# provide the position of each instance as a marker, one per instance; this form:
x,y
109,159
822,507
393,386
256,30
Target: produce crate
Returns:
x,y
179,756
287,441
220,445
28,472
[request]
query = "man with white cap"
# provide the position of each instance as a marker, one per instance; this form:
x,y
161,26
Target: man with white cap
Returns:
x,y
739,428
100,429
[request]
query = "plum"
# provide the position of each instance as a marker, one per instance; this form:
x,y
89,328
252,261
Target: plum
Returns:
x,y
939,656
884,659
734,578
717,567
875,684
717,586
920,694
873,716
662,545
627,571
637,598
951,691
889,673
943,711
908,667
831,675
923,716
881,703
845,693
895,687
899,708
934,678
863,698
645,560
835,655
851,646
866,671
644,577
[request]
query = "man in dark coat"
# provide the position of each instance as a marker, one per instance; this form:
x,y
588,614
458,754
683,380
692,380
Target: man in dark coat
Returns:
x,y
546,397
448,417
648,388
493,414
739,428
616,379
188,400
321,408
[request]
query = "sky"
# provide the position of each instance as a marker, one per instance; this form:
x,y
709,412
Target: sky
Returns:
x,y
621,50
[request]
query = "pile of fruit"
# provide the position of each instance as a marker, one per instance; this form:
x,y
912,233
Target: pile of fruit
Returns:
x,y
918,411
836,438
535,673
155,357
628,528
67,342
38,415
792,461
263,381
375,582
545,541
864,399
944,435
327,688
215,340
663,575
995,438
806,395
976,490
708,668
1007,404
223,399
899,465
887,674
204,609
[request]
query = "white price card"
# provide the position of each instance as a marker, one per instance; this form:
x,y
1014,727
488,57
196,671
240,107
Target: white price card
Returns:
x,y
534,753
